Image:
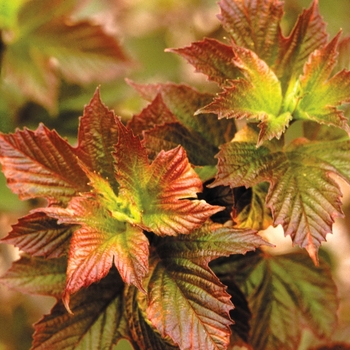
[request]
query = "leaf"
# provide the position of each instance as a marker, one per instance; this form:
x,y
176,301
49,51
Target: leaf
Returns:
x,y
101,241
98,133
284,291
212,58
183,290
97,323
164,191
240,314
39,235
343,61
84,51
35,275
250,210
302,196
258,95
254,25
41,164
183,101
170,135
320,95
143,334
308,34
156,113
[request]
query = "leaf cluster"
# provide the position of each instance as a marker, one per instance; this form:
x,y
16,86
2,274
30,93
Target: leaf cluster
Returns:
x,y
147,237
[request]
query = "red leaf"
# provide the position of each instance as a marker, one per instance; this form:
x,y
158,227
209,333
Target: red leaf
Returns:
x,y
160,191
156,113
39,235
41,164
212,58
101,241
97,323
254,25
98,133
308,34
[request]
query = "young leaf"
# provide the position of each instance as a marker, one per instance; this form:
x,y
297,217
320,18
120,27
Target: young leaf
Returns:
x,y
97,323
308,34
320,96
101,241
183,101
41,164
284,291
37,276
39,235
254,25
302,196
163,191
211,58
156,113
98,133
143,334
170,135
183,290
258,95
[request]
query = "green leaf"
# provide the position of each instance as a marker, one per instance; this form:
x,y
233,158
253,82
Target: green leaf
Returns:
x,y
183,101
97,323
8,13
164,192
100,242
308,34
284,291
36,275
258,95
39,235
41,164
183,290
302,196
83,51
212,58
250,208
254,25
98,133
321,95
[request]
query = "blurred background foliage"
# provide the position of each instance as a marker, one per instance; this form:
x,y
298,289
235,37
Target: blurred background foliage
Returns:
x,y
53,55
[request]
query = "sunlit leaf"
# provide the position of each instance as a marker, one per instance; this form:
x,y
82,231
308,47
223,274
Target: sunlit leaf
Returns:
x,y
258,95
164,191
97,323
302,196
308,34
212,58
254,25
37,276
41,164
101,242
39,235
321,95
98,133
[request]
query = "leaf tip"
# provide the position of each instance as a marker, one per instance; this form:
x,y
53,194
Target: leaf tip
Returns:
x,y
313,253
65,300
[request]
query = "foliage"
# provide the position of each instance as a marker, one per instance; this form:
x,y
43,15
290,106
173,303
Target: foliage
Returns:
x,y
145,236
